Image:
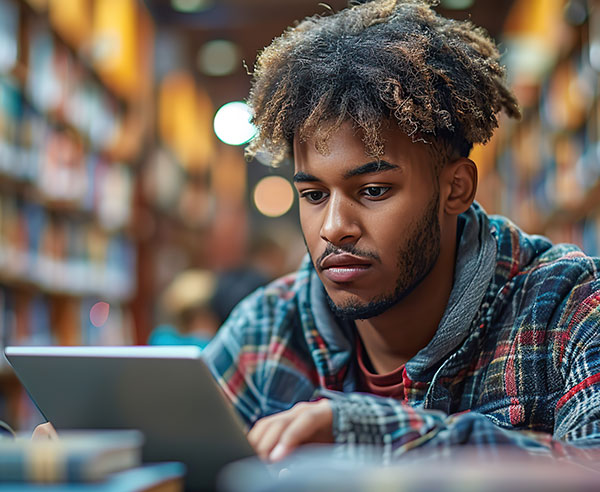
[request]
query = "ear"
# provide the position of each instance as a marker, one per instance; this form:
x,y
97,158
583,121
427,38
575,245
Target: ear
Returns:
x,y
458,184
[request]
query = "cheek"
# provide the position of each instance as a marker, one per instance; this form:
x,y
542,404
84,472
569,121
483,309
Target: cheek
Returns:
x,y
310,228
388,231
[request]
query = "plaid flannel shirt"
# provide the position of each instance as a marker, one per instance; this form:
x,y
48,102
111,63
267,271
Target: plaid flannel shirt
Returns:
x,y
527,374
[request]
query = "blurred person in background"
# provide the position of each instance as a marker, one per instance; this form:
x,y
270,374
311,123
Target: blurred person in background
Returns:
x,y
187,303
270,255
276,251
232,286
416,320
197,302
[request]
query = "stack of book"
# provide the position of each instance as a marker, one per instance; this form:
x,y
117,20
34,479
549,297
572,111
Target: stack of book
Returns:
x,y
83,461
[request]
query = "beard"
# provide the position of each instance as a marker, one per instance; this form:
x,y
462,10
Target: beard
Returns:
x,y
416,259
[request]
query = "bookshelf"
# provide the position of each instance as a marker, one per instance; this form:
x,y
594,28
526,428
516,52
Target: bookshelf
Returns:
x,y
544,171
68,178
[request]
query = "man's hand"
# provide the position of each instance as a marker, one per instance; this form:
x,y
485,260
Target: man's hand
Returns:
x,y
44,431
274,437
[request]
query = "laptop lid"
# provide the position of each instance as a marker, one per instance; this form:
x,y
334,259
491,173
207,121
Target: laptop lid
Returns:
x,y
166,392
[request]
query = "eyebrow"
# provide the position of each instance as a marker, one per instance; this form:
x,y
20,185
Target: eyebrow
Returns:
x,y
368,168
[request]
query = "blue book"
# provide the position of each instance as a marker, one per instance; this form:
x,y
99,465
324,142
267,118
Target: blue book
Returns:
x,y
78,456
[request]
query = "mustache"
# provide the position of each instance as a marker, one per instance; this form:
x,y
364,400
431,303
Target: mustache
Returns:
x,y
331,249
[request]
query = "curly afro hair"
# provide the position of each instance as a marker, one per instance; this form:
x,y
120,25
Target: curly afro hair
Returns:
x,y
439,79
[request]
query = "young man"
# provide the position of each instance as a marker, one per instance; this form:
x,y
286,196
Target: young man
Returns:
x,y
413,306
416,320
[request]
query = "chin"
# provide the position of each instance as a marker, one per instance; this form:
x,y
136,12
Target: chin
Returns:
x,y
344,299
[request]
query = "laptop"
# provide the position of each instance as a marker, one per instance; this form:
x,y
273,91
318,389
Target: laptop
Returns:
x,y
168,393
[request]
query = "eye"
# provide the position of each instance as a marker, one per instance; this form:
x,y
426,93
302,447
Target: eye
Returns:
x,y
313,196
375,191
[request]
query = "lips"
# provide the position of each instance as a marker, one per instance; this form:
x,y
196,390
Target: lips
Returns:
x,y
342,268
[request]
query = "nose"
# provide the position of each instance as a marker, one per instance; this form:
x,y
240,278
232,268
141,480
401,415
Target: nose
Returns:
x,y
340,225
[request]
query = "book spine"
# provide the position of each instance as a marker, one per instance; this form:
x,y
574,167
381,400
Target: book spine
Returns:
x,y
49,464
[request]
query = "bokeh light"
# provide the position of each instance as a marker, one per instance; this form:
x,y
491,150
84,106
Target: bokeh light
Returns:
x,y
219,57
273,196
457,4
99,313
190,6
232,123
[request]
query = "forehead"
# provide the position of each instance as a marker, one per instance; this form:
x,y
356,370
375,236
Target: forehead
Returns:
x,y
346,150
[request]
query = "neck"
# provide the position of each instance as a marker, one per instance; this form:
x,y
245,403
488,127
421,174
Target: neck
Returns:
x,y
395,336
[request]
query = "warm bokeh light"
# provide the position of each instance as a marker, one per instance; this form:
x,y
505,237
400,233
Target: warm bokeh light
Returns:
x,y
116,43
185,119
99,313
232,123
273,196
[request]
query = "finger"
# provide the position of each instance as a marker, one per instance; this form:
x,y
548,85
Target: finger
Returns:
x,y
297,432
258,429
261,426
271,437
44,431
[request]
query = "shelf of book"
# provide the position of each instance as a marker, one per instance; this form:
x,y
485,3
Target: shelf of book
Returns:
x,y
68,244
546,168
585,207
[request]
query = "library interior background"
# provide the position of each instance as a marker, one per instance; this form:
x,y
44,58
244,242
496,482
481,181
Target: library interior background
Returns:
x,y
128,213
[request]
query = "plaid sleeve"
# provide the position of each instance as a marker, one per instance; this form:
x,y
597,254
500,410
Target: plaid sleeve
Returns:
x,y
369,426
381,423
255,356
232,358
577,413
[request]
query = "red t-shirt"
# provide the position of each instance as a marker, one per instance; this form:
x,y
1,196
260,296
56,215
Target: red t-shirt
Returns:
x,y
390,384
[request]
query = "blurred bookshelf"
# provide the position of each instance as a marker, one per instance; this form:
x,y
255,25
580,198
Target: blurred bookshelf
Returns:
x,y
112,180
71,143
544,171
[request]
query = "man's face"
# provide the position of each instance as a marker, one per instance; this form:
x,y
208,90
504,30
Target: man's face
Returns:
x,y
371,227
